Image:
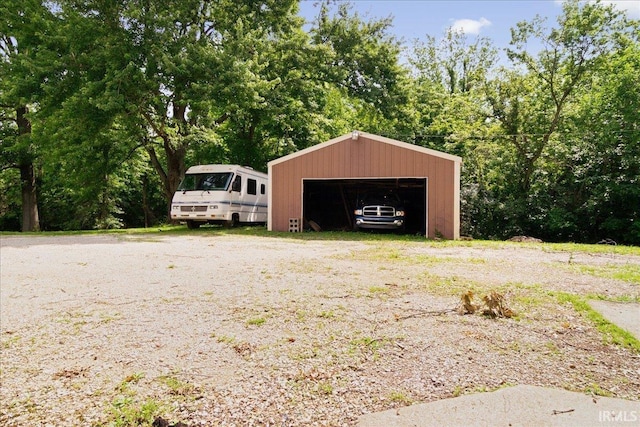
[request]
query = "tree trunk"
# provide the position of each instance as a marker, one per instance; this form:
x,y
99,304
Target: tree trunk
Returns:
x,y
30,217
174,172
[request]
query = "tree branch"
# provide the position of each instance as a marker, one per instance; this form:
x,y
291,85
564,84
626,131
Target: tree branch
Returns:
x,y
223,118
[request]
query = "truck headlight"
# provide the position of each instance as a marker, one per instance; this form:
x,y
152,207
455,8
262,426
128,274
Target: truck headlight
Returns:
x,y
399,213
213,207
175,207
358,212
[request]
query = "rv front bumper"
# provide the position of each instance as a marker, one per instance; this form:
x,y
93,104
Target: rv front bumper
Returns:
x,y
197,213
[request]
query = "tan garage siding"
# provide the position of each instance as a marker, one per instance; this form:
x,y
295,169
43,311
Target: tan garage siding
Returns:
x,y
368,156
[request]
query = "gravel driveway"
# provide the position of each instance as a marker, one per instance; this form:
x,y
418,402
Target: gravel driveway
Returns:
x,y
226,329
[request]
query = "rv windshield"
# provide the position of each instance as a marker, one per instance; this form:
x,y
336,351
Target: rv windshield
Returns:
x,y
218,181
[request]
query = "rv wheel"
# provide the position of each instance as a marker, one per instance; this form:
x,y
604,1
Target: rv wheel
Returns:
x,y
234,221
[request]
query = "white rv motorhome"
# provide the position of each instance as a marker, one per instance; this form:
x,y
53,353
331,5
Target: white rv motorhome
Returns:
x,y
221,194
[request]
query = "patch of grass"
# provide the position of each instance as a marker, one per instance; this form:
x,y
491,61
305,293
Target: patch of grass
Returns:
x,y
399,397
302,315
450,286
305,354
611,333
303,267
256,321
69,318
327,314
378,290
618,298
126,412
552,348
9,342
394,254
325,387
176,386
471,260
626,273
168,229
592,249
172,300
76,320
224,339
108,318
596,390
457,391
130,379
428,260
530,296
368,343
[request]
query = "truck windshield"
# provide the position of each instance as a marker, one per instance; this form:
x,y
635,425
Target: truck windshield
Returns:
x,y
205,181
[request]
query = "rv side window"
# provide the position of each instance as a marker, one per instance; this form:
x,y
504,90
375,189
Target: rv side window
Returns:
x,y
237,184
263,189
252,186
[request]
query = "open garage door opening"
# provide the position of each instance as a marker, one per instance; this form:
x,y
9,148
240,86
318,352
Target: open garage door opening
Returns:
x,y
333,204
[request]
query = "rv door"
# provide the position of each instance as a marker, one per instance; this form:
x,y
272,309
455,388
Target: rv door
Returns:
x,y
237,184
236,188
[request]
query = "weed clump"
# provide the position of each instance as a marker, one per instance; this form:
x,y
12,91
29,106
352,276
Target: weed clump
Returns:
x,y
494,305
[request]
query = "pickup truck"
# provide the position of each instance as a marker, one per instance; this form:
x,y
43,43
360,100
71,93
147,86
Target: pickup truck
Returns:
x,y
384,212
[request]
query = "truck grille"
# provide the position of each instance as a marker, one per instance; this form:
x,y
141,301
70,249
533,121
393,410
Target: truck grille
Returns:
x,y
193,208
384,211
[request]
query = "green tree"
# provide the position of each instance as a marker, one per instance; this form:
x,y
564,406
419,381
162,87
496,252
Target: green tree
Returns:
x,y
531,100
281,112
360,59
23,30
455,63
451,114
156,75
593,187
572,52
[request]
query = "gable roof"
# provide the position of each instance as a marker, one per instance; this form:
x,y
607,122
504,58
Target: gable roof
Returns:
x,y
377,138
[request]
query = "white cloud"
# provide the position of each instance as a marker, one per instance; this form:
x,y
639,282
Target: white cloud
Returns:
x,y
632,7
470,26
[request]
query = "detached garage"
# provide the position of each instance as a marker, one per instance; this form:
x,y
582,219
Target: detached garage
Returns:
x,y
324,184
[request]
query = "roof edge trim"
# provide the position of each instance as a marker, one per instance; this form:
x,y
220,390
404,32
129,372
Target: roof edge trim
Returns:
x,y
378,138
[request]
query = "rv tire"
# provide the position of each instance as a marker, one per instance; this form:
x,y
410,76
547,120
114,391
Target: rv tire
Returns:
x,y
192,225
234,221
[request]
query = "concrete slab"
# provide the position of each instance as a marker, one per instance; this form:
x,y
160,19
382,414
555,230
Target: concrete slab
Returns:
x,y
623,314
521,405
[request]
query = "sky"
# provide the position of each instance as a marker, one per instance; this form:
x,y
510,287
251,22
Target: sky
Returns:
x,y
413,19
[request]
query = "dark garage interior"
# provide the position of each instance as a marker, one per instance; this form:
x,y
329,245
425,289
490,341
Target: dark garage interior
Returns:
x,y
330,203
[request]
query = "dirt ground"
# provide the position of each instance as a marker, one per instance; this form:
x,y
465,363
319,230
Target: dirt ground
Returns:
x,y
230,329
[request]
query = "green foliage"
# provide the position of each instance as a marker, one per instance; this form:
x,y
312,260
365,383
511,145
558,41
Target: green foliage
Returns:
x,y
126,412
600,185
549,123
127,409
10,200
